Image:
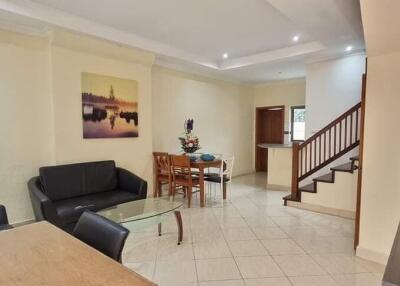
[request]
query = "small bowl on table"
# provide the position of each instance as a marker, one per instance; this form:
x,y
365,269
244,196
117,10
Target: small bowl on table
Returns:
x,y
207,157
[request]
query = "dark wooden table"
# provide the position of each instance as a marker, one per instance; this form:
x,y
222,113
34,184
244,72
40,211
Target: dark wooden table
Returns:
x,y
201,165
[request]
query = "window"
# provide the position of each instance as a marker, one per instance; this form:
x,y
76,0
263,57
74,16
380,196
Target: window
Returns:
x,y
297,125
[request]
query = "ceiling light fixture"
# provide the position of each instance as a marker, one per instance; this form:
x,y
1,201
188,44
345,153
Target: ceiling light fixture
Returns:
x,y
225,55
349,48
296,38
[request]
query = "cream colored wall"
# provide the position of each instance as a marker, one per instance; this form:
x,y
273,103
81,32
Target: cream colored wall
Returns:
x,y
288,93
340,196
26,119
222,113
41,109
67,66
279,168
380,199
380,211
333,87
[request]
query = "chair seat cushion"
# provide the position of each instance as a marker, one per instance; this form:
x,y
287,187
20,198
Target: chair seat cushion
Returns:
x,y
210,174
216,179
70,210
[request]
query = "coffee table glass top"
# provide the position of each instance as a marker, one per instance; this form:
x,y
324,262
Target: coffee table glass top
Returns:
x,y
140,209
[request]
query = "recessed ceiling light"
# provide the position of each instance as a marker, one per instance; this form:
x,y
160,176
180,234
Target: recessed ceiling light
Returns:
x,y
296,38
349,48
225,55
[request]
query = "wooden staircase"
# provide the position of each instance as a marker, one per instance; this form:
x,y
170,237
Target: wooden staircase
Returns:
x,y
324,147
329,178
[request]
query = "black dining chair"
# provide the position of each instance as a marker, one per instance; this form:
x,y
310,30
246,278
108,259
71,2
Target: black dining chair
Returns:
x,y
102,234
4,219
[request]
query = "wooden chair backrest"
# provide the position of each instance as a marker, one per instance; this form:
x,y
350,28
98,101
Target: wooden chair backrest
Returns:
x,y
181,166
162,162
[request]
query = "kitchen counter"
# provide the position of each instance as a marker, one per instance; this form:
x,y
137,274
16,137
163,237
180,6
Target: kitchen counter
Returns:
x,y
279,165
272,145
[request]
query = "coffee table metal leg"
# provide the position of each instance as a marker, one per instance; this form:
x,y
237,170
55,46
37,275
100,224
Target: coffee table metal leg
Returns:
x,y
180,226
159,229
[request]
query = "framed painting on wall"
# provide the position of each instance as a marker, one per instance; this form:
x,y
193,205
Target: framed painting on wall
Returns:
x,y
109,106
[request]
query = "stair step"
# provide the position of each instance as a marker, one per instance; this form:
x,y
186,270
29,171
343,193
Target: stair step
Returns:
x,y
355,158
327,178
348,167
289,198
310,188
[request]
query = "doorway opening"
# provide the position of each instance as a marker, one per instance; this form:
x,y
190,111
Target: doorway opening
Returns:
x,y
270,125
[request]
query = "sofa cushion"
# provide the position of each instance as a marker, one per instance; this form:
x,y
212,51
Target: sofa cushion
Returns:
x,y
68,181
71,209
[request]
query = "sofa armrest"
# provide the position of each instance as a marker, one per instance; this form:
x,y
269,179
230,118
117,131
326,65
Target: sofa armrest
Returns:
x,y
131,183
43,207
3,215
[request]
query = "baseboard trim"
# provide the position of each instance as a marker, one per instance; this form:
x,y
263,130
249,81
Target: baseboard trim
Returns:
x,y
321,209
242,174
24,222
271,187
372,255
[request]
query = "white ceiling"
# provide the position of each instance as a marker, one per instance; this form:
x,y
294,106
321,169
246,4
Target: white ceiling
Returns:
x,y
192,35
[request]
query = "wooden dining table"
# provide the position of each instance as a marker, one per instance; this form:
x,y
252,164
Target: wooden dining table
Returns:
x,y
201,166
42,254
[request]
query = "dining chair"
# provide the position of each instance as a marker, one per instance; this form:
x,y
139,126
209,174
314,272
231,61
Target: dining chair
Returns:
x,y
102,234
162,170
4,219
213,171
225,174
182,176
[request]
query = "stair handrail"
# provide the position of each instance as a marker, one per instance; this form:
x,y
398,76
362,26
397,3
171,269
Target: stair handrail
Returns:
x,y
330,125
320,139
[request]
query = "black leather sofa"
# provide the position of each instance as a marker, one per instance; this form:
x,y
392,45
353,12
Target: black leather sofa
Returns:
x,y
60,194
4,225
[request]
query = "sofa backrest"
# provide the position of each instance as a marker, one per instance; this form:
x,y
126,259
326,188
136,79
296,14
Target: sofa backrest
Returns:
x,y
73,180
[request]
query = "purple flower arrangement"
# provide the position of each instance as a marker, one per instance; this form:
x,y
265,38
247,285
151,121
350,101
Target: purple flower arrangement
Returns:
x,y
189,142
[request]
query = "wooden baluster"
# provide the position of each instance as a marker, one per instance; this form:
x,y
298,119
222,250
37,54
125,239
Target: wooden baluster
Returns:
x,y
334,139
357,124
345,132
351,128
320,140
305,159
330,143
295,171
325,146
340,136
301,162
315,152
310,156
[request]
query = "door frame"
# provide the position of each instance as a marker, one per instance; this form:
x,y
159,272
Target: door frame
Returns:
x,y
257,126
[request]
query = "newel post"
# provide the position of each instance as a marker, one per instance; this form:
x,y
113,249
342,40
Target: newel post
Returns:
x,y
295,171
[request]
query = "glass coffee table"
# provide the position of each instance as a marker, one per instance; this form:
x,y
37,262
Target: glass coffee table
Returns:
x,y
146,212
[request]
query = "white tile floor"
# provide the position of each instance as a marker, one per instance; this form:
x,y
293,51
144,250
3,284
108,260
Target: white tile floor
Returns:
x,y
253,240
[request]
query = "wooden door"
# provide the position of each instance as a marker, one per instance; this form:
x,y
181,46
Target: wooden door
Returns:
x,y
269,129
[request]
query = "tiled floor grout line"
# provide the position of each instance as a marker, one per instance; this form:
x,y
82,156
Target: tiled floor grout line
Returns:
x,y
259,240
242,207
194,254
226,241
